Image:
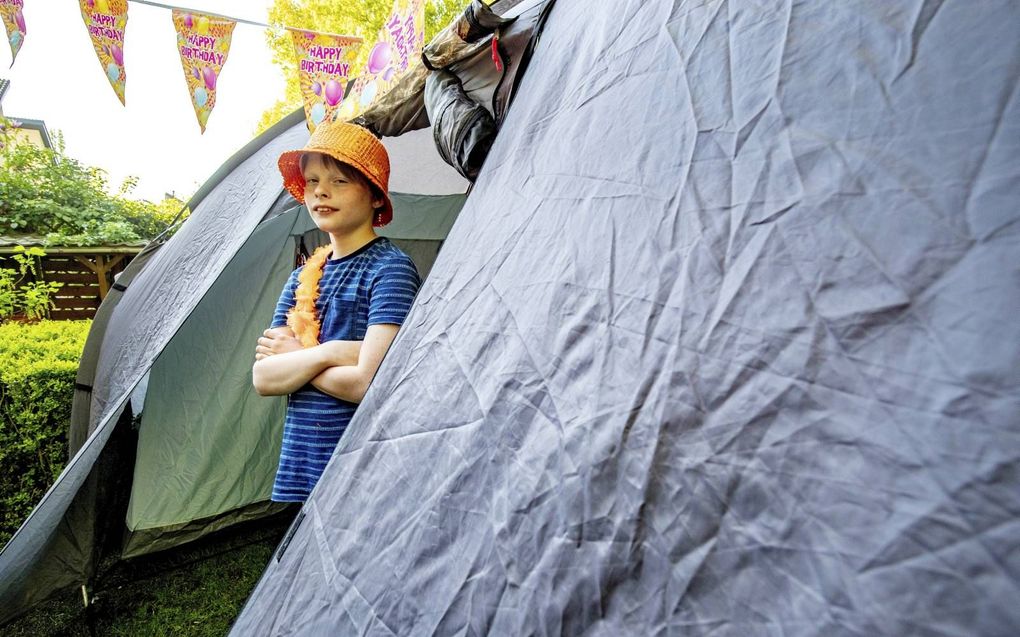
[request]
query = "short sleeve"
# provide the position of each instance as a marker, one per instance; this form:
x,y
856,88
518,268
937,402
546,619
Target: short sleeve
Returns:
x,y
394,287
286,301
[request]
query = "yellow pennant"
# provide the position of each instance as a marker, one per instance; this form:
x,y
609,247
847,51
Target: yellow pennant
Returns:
x,y
106,20
324,67
203,42
14,22
400,42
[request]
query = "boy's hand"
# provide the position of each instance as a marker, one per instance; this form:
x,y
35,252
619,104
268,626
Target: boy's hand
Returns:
x,y
278,340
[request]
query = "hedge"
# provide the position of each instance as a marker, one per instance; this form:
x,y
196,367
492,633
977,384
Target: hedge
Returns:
x,y
38,364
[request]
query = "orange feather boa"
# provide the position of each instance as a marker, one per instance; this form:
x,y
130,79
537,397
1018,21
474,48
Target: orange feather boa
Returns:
x,y
303,318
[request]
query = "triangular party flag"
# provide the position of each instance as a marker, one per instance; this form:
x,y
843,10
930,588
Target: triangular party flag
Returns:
x,y
400,42
106,20
324,67
14,22
203,42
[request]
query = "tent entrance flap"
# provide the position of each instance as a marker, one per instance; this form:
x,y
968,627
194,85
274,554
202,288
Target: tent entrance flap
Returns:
x,y
420,225
208,444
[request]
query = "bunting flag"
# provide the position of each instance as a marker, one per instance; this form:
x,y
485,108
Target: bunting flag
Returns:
x,y
324,66
14,22
106,20
400,42
203,42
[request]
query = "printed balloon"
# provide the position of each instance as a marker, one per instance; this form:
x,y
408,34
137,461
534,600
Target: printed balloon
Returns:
x,y
318,112
117,54
20,19
91,3
388,75
194,71
113,72
188,20
15,39
201,97
209,75
102,6
368,94
334,92
346,110
379,57
203,25
317,88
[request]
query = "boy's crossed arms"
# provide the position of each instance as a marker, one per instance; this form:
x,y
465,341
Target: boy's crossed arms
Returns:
x,y
342,369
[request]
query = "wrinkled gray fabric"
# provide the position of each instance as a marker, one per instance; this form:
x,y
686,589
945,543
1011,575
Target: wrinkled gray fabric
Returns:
x,y
462,128
724,342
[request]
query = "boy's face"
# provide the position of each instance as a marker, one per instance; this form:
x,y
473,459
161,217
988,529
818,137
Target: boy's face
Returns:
x,y
338,204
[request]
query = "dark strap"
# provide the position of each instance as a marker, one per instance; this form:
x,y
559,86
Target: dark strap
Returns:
x,y
290,536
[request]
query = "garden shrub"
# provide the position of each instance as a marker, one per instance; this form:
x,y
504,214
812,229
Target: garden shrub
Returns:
x,y
38,365
34,299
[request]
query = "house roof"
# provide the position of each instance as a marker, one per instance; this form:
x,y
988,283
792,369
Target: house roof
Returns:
x,y
36,125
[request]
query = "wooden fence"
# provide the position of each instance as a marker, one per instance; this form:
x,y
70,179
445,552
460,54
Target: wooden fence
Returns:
x,y
86,277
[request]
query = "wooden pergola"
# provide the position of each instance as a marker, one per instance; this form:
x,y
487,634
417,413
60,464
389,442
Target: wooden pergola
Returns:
x,y
85,272
102,265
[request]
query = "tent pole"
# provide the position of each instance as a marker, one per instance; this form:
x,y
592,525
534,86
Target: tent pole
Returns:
x,y
90,615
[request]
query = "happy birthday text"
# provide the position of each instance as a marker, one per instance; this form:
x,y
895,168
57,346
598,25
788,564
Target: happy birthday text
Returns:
x,y
331,68
103,27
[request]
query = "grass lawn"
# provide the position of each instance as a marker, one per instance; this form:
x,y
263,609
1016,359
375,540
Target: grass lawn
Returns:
x,y
195,590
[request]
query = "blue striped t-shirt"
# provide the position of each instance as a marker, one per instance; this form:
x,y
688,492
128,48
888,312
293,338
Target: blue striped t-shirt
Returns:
x,y
374,285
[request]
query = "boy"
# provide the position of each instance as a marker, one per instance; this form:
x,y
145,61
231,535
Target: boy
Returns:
x,y
340,311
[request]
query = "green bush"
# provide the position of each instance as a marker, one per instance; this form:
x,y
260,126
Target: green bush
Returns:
x,y
38,364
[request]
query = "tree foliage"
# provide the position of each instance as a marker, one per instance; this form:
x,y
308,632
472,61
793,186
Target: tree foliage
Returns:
x,y
361,18
46,193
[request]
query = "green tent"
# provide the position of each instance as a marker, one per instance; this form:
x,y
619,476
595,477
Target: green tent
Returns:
x,y
169,441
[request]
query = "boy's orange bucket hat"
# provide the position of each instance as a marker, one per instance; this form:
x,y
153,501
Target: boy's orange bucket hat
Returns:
x,y
352,145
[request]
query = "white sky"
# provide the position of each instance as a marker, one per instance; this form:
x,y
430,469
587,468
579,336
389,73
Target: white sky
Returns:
x,y
156,137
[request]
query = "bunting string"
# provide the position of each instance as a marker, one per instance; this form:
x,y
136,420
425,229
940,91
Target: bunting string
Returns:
x,y
171,7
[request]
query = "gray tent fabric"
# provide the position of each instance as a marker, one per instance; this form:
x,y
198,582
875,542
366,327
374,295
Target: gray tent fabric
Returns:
x,y
724,342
